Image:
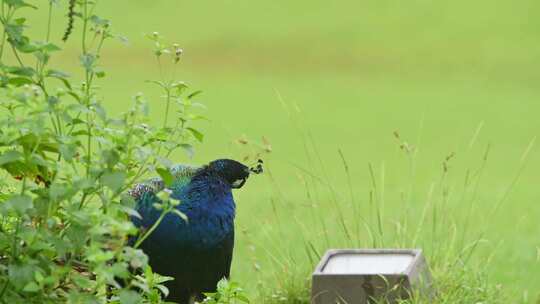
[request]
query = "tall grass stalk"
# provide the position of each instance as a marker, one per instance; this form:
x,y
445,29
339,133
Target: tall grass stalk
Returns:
x,y
436,220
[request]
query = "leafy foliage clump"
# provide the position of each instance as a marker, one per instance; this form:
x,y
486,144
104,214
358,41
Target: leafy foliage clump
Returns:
x,y
227,292
66,164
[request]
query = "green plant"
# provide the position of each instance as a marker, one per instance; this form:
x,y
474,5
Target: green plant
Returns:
x,y
66,165
227,293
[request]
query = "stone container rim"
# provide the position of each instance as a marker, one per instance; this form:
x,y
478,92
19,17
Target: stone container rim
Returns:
x,y
415,253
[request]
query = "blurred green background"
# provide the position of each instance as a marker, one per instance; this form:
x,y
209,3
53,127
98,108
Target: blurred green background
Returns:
x,y
438,72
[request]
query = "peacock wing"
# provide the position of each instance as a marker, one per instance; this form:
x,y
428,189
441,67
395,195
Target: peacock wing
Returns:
x,y
145,194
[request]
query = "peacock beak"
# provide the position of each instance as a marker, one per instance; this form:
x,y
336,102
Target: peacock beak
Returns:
x,y
237,184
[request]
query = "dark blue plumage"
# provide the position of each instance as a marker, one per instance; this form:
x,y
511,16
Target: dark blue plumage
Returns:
x,y
196,252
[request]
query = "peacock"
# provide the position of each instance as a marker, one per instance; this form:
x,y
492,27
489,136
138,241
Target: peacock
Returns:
x,y
197,252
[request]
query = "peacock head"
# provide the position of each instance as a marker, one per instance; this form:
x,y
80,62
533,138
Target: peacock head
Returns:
x,y
231,171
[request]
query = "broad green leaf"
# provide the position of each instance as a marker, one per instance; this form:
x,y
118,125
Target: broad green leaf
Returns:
x,y
82,298
14,31
18,4
18,169
31,287
189,149
50,47
194,94
68,151
100,256
57,191
131,212
88,61
30,141
38,276
20,203
158,206
180,214
21,71
129,297
20,81
26,46
100,111
70,93
60,76
99,21
20,274
163,289
10,156
111,157
57,74
242,298
166,175
83,183
113,180
100,73
138,259
180,87
198,135
161,278
82,281
163,196
223,284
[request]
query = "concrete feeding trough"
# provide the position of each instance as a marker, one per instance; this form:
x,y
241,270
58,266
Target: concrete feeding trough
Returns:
x,y
369,275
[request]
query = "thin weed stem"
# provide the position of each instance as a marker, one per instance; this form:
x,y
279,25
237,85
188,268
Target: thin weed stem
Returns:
x,y
479,174
376,202
49,21
523,164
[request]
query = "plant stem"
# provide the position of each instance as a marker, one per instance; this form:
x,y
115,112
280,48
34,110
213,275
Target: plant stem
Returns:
x,y
17,56
49,21
4,22
14,247
85,25
88,84
88,143
4,290
167,107
3,43
83,199
149,231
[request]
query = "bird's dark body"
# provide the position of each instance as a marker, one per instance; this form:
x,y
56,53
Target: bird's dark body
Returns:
x,y
195,270
197,253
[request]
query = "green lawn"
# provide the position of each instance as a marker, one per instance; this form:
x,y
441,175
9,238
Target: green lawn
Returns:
x,y
436,71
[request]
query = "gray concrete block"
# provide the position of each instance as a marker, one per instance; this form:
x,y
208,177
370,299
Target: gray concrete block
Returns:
x,y
358,276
